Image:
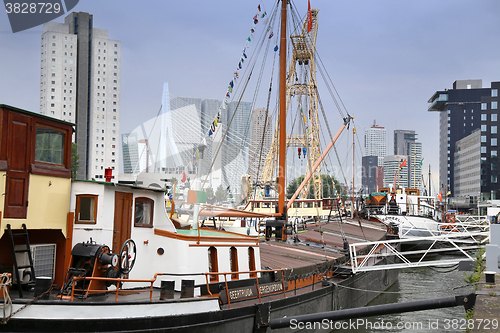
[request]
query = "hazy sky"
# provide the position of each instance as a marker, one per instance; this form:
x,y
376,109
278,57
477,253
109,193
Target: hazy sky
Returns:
x,y
386,58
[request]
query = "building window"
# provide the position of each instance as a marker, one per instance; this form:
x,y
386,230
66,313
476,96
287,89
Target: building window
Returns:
x,y
49,147
494,92
483,150
483,138
493,178
494,154
484,106
251,262
143,212
493,129
484,128
213,264
493,117
86,209
494,105
493,142
234,262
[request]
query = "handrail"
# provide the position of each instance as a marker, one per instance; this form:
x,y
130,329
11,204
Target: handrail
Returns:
x,y
118,280
151,281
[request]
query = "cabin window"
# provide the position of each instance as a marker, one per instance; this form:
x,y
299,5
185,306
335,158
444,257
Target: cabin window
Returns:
x,y
212,264
49,146
296,205
266,205
234,262
86,209
251,262
143,212
308,205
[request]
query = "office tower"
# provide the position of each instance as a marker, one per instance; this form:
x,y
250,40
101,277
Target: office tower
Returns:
x,y
402,141
260,142
468,166
130,151
375,142
405,143
459,115
490,182
80,83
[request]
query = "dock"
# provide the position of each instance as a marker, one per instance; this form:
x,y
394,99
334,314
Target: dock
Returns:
x,y
487,308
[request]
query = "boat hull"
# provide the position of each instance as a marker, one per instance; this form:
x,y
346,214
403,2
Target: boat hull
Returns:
x,y
162,316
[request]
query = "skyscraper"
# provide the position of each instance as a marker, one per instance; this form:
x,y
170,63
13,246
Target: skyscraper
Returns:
x,y
375,142
80,83
459,115
490,182
130,152
468,166
260,142
405,143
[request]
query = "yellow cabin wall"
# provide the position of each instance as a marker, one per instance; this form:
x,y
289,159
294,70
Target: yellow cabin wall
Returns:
x,y
48,204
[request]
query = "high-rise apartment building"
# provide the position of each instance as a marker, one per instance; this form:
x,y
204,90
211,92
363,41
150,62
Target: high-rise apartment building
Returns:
x,y
459,115
80,82
376,142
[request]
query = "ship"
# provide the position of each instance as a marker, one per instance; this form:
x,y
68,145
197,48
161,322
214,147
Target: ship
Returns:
x,y
107,257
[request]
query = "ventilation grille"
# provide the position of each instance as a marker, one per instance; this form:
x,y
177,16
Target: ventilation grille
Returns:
x,y
44,259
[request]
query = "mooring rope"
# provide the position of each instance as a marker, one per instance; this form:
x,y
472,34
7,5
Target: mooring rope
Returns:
x,y
5,283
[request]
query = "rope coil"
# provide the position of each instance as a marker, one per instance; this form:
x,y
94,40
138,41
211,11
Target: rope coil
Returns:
x,y
5,283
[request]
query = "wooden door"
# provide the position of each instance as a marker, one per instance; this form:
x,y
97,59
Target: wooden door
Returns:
x,y
123,219
18,159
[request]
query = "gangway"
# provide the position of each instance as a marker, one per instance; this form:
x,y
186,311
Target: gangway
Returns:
x,y
448,243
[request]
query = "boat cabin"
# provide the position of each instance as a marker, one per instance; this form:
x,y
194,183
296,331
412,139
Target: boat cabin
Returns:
x,y
35,178
44,211
109,213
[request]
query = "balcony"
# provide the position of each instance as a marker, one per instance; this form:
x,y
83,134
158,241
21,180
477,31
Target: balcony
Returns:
x,y
438,100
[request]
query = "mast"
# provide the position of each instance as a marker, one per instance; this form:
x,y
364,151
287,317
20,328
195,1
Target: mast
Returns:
x,y
282,112
353,171
430,192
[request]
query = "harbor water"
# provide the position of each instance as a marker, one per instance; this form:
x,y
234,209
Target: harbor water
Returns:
x,y
418,284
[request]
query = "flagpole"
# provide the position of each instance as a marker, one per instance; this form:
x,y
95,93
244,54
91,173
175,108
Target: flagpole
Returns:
x,y
414,164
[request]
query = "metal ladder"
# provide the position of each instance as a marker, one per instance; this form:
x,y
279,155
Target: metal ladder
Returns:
x,y
24,234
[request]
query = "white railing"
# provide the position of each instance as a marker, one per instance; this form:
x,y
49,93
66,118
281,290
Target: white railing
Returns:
x,y
386,248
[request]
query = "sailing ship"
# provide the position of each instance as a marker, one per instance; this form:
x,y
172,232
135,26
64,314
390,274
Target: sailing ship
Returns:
x,y
106,257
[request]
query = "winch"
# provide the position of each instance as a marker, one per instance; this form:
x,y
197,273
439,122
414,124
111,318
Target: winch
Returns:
x,y
90,260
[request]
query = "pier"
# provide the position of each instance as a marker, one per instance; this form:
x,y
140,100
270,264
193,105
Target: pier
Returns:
x,y
487,308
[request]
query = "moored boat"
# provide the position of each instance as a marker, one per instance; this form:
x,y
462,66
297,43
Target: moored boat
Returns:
x,y
115,261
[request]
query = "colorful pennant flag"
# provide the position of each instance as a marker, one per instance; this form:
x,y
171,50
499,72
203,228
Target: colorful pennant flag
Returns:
x,y
309,17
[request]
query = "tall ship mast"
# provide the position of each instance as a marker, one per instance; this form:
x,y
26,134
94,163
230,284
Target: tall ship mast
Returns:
x,y
303,89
